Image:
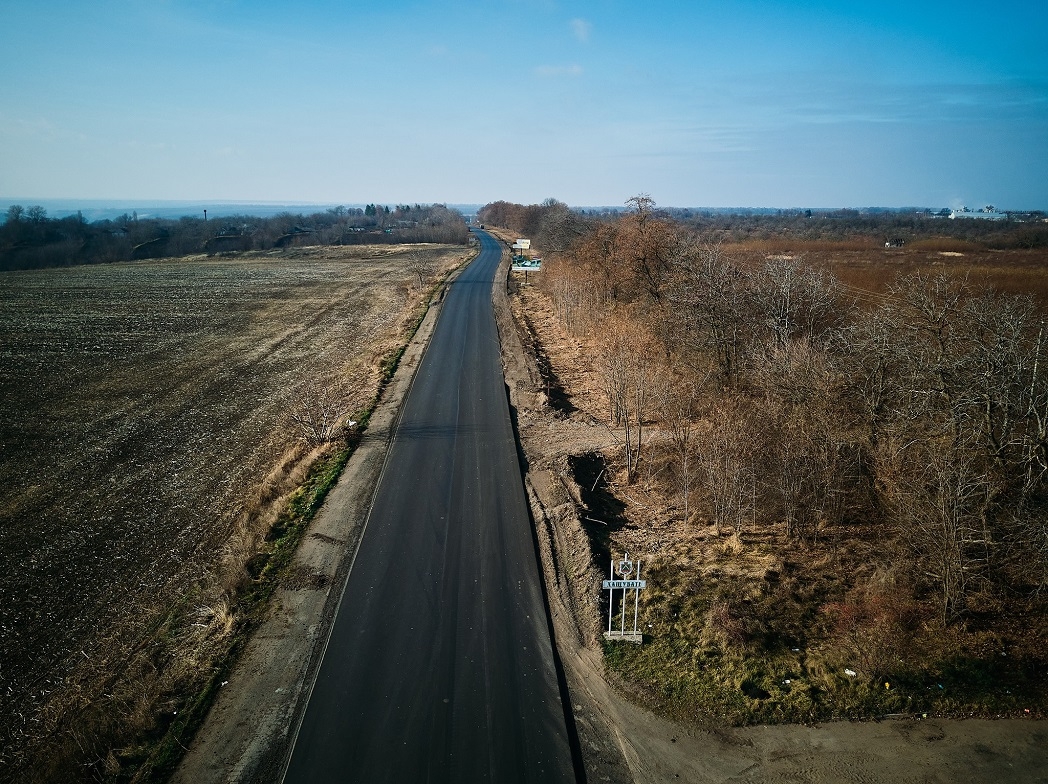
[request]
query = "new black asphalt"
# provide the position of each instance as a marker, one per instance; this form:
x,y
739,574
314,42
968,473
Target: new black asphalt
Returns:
x,y
439,666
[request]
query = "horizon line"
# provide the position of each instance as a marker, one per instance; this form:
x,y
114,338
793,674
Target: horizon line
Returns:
x,y
115,203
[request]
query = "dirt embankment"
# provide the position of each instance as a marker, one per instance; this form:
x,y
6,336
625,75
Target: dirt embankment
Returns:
x,y
622,742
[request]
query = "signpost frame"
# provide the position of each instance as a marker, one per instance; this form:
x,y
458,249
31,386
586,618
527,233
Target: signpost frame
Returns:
x,y
627,581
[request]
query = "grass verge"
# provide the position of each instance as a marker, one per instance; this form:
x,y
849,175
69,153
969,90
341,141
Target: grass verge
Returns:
x,y
154,759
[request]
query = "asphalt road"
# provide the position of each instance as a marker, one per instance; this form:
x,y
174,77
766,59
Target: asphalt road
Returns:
x,y
440,667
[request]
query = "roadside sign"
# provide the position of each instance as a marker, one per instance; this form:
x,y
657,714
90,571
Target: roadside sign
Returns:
x,y
629,580
611,584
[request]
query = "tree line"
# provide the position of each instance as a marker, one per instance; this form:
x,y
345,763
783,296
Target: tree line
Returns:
x,y
858,229
29,239
920,421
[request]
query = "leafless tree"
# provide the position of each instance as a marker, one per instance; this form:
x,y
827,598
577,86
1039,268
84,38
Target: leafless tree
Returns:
x,y
578,298
924,317
677,402
421,268
724,463
560,228
321,411
627,361
810,467
867,357
796,301
711,305
646,245
937,495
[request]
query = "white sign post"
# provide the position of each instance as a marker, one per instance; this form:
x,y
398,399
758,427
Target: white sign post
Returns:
x,y
626,581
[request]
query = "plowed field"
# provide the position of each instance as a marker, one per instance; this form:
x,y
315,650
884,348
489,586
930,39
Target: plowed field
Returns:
x,y
141,405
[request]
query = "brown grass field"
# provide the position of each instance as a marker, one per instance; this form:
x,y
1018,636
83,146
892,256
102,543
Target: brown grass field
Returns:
x,y
868,273
143,419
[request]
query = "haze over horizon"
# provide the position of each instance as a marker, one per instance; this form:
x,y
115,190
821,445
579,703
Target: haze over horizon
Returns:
x,y
737,103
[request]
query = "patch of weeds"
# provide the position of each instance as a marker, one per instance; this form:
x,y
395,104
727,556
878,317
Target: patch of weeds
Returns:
x,y
158,761
391,362
723,646
162,752
965,685
724,651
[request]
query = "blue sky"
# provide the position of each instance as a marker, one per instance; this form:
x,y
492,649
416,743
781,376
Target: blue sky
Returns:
x,y
730,103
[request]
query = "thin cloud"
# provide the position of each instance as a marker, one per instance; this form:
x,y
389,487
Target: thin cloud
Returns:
x,y
37,128
581,29
550,71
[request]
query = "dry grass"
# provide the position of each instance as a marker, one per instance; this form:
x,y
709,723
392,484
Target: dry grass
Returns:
x,y
799,246
870,274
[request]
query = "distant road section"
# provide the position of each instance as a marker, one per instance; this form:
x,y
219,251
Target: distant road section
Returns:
x,y
440,666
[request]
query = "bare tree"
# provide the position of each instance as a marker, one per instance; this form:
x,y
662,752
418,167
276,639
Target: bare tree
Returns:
x,y
796,373
867,356
627,363
711,305
998,361
796,300
677,403
724,463
646,246
561,227
810,467
924,316
937,495
321,411
421,267
578,293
